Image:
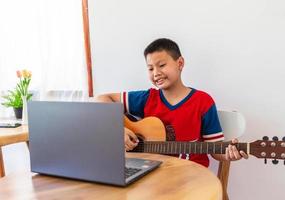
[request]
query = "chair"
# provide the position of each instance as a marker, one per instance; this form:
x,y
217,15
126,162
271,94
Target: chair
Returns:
x,y
233,126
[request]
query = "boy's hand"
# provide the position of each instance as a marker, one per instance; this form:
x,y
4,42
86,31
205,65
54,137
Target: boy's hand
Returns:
x,y
131,140
233,154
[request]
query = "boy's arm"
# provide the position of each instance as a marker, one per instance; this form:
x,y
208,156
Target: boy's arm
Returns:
x,y
111,97
231,154
131,140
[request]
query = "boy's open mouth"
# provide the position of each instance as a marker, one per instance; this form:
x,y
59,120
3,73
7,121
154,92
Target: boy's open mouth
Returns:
x,y
160,81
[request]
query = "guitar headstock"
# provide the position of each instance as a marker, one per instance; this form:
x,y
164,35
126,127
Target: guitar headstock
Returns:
x,y
272,149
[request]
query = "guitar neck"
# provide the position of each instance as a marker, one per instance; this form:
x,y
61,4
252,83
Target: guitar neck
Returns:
x,y
177,147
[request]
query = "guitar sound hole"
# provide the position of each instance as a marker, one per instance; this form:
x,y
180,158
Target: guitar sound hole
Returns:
x,y
170,133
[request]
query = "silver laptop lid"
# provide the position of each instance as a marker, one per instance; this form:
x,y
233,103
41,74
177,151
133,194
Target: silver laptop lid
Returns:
x,y
77,140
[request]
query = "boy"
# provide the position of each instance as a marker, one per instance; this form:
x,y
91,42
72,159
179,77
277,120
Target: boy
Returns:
x,y
192,113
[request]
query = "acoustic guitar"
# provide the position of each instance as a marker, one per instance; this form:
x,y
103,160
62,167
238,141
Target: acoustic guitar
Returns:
x,y
154,137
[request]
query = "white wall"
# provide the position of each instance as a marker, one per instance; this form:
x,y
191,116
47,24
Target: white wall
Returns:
x,y
233,50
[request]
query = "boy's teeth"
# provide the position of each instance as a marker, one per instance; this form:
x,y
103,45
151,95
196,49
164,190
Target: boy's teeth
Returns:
x,y
159,81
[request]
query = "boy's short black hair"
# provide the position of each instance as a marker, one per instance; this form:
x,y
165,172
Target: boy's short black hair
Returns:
x,y
163,44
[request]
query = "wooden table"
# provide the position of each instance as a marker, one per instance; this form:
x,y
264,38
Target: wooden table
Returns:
x,y
174,179
11,136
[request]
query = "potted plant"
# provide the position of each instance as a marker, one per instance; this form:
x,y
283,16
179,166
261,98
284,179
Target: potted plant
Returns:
x,y
14,98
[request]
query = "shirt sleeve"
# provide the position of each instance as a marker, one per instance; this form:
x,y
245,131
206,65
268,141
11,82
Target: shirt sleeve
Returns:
x,y
211,128
134,102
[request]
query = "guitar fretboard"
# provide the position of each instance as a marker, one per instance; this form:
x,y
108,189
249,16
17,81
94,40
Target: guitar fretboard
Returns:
x,y
177,147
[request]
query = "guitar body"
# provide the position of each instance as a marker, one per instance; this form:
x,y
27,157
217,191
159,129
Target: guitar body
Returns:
x,y
148,129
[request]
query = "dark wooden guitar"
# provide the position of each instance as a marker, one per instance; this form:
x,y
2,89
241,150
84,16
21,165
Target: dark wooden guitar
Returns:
x,y
156,138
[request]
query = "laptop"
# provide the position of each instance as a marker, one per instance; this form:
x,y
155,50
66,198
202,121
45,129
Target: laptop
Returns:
x,y
82,140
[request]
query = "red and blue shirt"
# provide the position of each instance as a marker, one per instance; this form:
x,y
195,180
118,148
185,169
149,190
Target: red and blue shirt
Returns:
x,y
194,118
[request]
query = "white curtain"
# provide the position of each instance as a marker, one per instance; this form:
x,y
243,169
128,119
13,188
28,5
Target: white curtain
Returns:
x,y
45,37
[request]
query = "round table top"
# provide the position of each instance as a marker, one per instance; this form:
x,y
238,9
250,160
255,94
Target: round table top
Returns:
x,y
13,135
174,179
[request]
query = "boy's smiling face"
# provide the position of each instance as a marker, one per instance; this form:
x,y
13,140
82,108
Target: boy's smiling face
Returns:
x,y
164,72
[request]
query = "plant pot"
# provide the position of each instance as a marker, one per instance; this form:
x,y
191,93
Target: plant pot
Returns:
x,y
18,112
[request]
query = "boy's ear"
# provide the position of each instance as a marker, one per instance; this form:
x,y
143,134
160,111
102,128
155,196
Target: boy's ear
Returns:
x,y
180,63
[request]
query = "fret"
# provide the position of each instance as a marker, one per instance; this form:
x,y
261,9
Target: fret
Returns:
x,y
201,147
168,145
207,147
214,148
221,148
195,147
157,147
148,148
184,147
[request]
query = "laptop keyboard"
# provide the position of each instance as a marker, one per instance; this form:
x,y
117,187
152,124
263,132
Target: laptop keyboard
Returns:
x,y
131,171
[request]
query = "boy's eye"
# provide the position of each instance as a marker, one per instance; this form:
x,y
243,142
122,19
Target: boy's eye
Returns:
x,y
150,69
162,65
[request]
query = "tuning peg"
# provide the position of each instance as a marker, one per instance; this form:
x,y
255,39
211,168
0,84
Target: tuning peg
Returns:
x,y
283,138
265,138
265,161
275,138
275,161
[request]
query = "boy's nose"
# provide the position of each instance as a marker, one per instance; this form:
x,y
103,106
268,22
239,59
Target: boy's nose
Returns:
x,y
156,72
